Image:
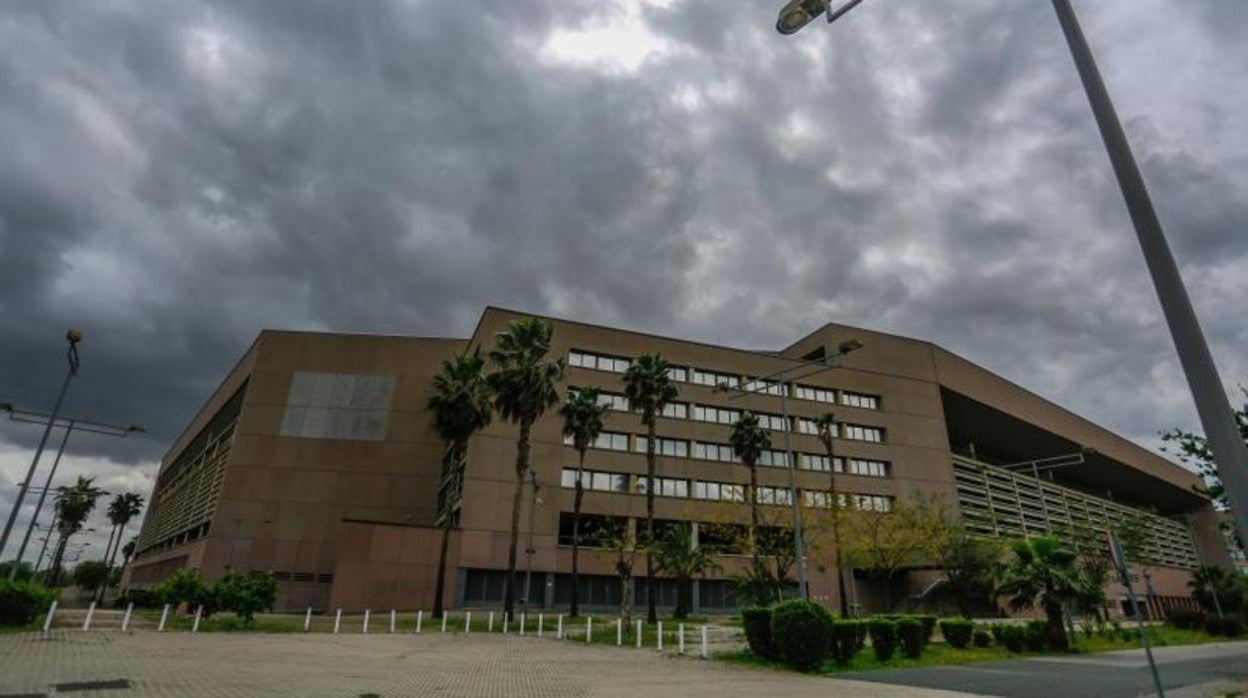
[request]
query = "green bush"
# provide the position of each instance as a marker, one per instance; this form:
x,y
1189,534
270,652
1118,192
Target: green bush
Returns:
x,y
860,638
1014,637
1186,618
998,631
1228,626
847,639
981,637
244,594
911,637
883,634
21,602
957,632
141,598
801,631
1037,635
185,587
757,622
929,627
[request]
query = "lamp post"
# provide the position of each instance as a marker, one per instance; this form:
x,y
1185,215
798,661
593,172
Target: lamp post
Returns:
x,y
1214,409
73,337
69,424
765,384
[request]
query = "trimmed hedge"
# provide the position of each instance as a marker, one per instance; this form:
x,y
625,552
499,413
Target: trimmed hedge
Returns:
x,y
847,639
957,632
1228,626
981,637
757,622
801,631
22,601
1036,635
1013,637
911,636
883,634
929,627
1186,618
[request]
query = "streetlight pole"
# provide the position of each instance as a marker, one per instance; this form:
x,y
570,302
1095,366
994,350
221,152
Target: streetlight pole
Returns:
x,y
73,337
529,549
1230,454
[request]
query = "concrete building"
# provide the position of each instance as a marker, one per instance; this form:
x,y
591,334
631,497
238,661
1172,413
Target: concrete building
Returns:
x,y
316,460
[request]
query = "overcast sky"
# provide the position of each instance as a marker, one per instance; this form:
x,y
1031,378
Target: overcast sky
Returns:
x,y
175,177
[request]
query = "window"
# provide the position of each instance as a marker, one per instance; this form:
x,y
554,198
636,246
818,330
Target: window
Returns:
x,y
607,440
705,413
819,500
612,401
594,480
599,362
871,502
862,466
860,433
865,502
766,387
676,410
814,461
774,495
678,374
866,402
664,447
774,422
716,452
338,406
667,487
712,378
718,491
808,426
806,392
774,459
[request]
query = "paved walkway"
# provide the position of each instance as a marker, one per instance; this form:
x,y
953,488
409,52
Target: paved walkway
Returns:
x,y
237,664
1186,671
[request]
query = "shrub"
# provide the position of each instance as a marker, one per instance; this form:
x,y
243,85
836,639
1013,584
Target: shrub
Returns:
x,y
957,632
1232,626
1036,635
883,634
860,635
981,637
847,639
801,631
998,632
1186,618
184,587
244,595
910,634
141,598
1014,637
757,622
929,627
22,601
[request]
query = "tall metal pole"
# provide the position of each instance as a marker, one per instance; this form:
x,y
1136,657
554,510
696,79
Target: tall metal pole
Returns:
x,y
47,485
73,336
799,544
1229,452
56,517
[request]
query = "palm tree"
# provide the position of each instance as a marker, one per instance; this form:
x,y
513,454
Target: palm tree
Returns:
x,y
826,425
749,439
524,388
1043,573
73,505
1214,588
678,557
649,388
582,421
127,552
461,407
124,507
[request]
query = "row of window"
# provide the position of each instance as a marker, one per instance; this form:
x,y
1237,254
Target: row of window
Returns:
x,y
615,364
723,453
720,491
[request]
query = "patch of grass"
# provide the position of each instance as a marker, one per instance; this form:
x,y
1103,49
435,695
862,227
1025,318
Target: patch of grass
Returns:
x,y
14,629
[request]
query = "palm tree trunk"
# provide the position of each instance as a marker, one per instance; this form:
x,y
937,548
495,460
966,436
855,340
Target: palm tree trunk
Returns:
x,y
576,536
652,615
752,497
1057,630
56,560
97,593
439,587
522,469
836,532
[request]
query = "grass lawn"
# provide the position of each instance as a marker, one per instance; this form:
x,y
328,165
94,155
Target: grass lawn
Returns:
x,y
937,654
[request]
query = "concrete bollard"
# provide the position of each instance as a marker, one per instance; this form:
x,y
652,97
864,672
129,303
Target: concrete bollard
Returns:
x,y
164,616
680,634
307,619
420,616
506,622
660,636
392,619
125,622
704,652
539,624
199,613
522,619
467,622
619,632
638,634
490,629
444,615
47,621
364,628
86,622
559,628
589,629
337,620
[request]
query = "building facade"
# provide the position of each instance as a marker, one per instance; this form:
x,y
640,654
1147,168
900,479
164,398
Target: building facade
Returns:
x,y
316,460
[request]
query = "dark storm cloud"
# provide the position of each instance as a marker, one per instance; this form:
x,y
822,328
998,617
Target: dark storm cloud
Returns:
x,y
176,177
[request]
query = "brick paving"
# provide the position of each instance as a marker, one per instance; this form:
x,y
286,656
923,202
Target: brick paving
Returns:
x,y
253,664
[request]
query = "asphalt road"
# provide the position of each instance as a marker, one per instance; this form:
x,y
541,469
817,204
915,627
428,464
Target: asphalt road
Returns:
x,y
1200,670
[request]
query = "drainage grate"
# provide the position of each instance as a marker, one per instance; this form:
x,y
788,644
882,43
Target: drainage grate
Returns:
x,y
114,684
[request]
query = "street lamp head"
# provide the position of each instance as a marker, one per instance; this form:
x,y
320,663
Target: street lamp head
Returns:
x,y
798,13
74,336
137,428
848,345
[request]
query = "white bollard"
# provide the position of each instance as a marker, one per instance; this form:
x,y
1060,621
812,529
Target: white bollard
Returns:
x,y
680,634
86,622
619,632
420,616
444,615
364,628
638,634
704,653
199,613
337,620
589,629
164,616
660,635
125,622
506,622
467,622
491,627
47,622
392,619
539,625
559,628
522,619
307,620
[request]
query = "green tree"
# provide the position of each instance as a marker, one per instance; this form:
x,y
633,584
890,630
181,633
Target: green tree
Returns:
x,y
89,574
828,431
676,556
127,552
184,586
649,388
1218,589
523,384
245,595
1042,573
885,544
749,439
73,505
582,422
121,510
969,563
24,571
461,407
1192,449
